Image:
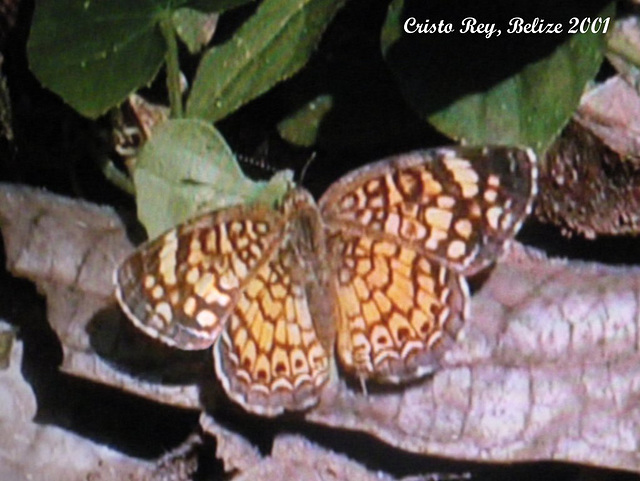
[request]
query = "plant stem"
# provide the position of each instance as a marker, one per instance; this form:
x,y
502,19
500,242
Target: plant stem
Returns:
x,y
173,68
116,177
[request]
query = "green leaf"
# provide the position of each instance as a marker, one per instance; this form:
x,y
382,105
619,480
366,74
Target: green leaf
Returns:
x,y
531,107
528,107
187,168
269,47
194,28
392,31
95,53
301,128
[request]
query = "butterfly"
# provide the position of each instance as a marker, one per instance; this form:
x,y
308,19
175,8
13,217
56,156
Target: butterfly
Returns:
x,y
374,272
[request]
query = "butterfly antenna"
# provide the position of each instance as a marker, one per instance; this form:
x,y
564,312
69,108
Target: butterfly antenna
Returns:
x,y
311,158
259,162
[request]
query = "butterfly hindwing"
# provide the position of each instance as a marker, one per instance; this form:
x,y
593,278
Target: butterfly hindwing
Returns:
x,y
269,357
398,310
274,352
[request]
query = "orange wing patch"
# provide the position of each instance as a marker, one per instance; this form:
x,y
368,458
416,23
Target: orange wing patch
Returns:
x,y
270,357
397,309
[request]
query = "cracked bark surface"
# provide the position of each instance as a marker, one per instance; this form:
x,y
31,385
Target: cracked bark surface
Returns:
x,y
547,367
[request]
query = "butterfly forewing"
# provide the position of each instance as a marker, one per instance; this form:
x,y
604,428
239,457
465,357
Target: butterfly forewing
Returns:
x,y
457,205
181,287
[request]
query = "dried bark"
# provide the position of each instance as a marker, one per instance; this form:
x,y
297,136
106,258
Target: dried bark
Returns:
x,y
590,177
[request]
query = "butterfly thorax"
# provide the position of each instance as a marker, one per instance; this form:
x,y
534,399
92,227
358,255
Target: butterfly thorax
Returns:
x,y
306,233
305,225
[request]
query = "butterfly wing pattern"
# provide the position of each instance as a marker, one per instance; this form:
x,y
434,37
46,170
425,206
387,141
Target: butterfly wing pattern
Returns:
x,y
376,270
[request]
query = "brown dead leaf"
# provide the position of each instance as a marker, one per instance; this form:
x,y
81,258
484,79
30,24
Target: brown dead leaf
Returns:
x,y
294,457
590,177
612,112
547,367
235,452
69,250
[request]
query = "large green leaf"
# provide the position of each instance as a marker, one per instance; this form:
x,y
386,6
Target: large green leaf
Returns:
x,y
187,168
271,46
525,106
531,107
94,53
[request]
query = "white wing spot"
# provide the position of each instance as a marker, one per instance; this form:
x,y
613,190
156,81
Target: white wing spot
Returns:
x,y
163,309
206,318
